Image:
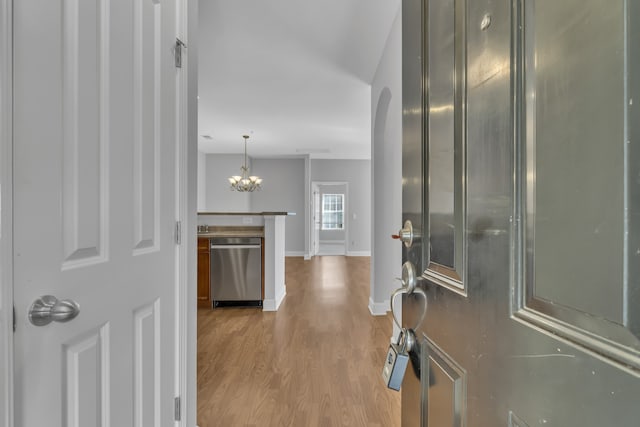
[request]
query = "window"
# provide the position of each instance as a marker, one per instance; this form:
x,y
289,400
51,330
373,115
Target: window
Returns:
x,y
333,211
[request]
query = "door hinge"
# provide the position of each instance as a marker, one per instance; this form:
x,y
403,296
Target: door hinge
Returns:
x,y
178,232
14,319
177,408
178,52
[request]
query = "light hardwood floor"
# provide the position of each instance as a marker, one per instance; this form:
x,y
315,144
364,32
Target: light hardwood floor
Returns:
x,y
315,362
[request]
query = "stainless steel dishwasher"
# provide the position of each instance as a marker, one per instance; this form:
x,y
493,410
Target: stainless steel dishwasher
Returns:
x,y
236,271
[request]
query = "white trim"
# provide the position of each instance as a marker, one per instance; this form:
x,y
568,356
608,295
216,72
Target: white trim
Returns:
x,y
274,304
186,29
6,212
184,200
295,254
358,253
379,308
308,206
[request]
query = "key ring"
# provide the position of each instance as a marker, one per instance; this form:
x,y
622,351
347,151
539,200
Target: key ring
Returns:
x,y
406,340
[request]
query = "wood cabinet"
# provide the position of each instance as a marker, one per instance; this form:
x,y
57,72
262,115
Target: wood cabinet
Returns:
x,y
204,288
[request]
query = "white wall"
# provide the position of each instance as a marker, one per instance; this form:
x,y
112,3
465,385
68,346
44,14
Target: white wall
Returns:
x,y
202,181
219,196
282,190
357,173
386,168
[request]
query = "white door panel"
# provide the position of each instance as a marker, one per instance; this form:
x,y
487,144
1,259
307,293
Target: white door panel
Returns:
x,y
94,203
317,219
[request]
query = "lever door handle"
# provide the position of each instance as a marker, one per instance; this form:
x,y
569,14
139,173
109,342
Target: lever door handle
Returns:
x,y
48,308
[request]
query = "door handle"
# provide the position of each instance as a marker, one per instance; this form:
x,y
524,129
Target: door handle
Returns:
x,y
48,308
409,281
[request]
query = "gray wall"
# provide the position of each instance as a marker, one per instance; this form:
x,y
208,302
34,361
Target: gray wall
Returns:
x,y
219,196
357,173
202,181
386,113
282,190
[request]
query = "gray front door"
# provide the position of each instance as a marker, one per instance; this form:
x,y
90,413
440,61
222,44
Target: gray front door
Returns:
x,y
521,164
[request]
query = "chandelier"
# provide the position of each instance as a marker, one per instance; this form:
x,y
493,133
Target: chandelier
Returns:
x,y
245,182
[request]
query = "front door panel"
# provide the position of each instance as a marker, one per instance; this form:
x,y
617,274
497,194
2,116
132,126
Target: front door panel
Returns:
x,y
531,212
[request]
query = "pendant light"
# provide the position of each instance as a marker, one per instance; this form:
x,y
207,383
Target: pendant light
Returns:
x,y
245,182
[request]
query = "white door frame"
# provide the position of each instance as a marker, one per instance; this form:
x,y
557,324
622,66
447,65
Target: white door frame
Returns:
x,y
315,184
315,234
186,196
6,210
186,162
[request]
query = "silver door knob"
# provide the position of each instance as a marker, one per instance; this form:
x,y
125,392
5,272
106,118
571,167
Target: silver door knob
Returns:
x,y
48,308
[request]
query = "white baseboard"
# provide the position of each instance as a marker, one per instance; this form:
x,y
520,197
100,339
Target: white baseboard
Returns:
x,y
273,304
269,305
281,298
295,253
379,308
307,256
358,253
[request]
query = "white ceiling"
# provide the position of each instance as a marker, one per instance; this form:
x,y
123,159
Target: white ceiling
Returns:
x,y
294,74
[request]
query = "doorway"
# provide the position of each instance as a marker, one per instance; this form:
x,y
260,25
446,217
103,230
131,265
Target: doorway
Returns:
x,y
330,231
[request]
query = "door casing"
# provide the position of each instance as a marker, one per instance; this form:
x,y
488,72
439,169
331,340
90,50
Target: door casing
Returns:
x,y
315,185
6,223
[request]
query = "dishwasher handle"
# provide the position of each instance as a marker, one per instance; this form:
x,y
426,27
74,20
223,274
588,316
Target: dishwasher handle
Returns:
x,y
235,246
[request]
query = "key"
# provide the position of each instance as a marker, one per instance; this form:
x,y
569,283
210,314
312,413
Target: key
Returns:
x,y
396,362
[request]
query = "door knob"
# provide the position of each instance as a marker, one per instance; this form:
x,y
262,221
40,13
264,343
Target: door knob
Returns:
x,y
48,308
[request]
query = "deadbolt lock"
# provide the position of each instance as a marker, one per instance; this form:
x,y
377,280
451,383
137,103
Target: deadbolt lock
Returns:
x,y
406,235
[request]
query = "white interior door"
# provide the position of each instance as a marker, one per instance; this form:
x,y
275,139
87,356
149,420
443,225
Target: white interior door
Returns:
x,y
317,218
94,203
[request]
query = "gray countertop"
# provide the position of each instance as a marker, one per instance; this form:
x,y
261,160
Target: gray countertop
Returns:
x,y
230,231
249,213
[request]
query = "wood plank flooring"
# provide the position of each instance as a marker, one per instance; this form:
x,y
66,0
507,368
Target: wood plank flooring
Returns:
x,y
315,362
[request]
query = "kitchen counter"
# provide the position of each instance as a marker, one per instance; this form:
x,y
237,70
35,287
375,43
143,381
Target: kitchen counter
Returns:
x,y
230,231
268,225
248,213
